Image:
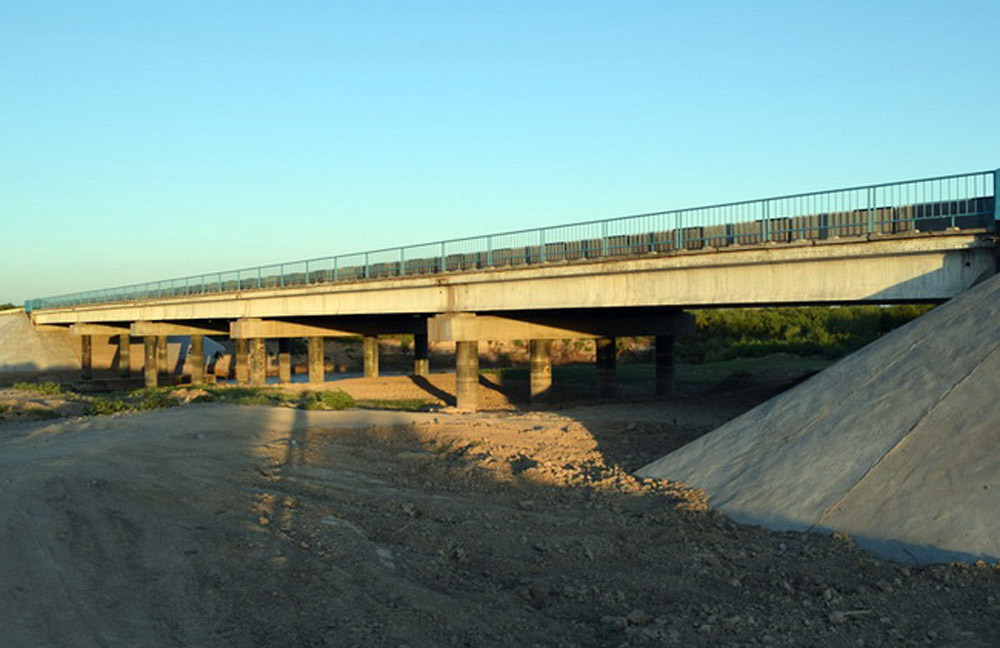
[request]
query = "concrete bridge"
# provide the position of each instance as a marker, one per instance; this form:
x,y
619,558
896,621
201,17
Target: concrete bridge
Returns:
x,y
912,241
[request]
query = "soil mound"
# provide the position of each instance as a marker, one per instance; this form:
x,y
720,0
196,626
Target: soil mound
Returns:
x,y
895,445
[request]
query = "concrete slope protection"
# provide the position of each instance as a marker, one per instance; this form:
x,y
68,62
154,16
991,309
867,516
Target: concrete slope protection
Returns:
x,y
25,350
897,444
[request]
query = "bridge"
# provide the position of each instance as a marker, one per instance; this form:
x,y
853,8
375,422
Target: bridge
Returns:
x,y
911,241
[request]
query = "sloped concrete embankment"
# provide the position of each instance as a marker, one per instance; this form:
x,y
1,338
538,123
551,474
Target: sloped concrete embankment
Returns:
x,y
28,353
897,444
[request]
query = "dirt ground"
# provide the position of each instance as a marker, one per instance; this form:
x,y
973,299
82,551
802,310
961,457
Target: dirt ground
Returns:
x,y
220,525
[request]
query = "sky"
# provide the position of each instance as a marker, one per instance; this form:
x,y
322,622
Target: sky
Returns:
x,y
149,140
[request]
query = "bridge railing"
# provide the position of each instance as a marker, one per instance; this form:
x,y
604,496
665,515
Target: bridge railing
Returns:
x,y
965,201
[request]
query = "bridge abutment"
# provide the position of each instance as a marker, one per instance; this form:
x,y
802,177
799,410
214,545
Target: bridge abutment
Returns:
x,y
317,364
196,356
257,362
541,371
284,360
370,349
242,361
124,355
607,365
467,375
149,369
664,359
421,355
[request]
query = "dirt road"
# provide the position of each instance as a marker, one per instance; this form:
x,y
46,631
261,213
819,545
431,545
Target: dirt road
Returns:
x,y
214,525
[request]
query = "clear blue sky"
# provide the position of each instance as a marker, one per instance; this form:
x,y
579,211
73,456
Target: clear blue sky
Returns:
x,y
147,140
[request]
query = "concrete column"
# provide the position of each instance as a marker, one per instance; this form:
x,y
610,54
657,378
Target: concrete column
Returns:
x,y
161,356
149,365
124,355
86,357
606,360
370,347
196,356
258,362
317,369
466,375
284,360
242,361
421,355
541,371
664,365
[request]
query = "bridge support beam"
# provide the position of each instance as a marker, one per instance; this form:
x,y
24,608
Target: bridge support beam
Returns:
x,y
421,355
284,360
258,362
317,368
150,369
196,356
124,355
664,358
541,371
242,361
467,375
370,348
606,366
86,357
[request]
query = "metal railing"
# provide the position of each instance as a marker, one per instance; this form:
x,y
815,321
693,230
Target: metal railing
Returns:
x,y
964,201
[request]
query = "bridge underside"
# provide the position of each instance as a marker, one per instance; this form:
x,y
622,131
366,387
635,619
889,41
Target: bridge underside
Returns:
x,y
597,299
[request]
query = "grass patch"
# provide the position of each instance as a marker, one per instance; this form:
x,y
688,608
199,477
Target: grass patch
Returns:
x,y
310,400
47,388
138,400
398,405
326,400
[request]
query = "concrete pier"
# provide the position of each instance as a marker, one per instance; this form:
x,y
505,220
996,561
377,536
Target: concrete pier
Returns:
x,y
284,360
664,358
467,375
161,357
606,366
150,368
317,369
242,361
86,357
258,362
124,355
421,355
370,348
541,371
196,356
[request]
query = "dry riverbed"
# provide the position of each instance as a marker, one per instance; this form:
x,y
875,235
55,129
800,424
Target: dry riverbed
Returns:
x,y
221,525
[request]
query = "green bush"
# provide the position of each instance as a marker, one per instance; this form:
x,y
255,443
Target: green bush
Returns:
x,y
104,405
829,332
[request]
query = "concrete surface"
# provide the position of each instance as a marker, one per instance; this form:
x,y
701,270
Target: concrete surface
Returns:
x,y
896,445
930,266
26,352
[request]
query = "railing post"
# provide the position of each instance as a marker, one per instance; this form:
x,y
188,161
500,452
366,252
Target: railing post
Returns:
x,y
489,251
335,268
367,272
605,243
996,198
402,261
871,210
541,245
259,284
281,273
441,266
766,221
307,273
